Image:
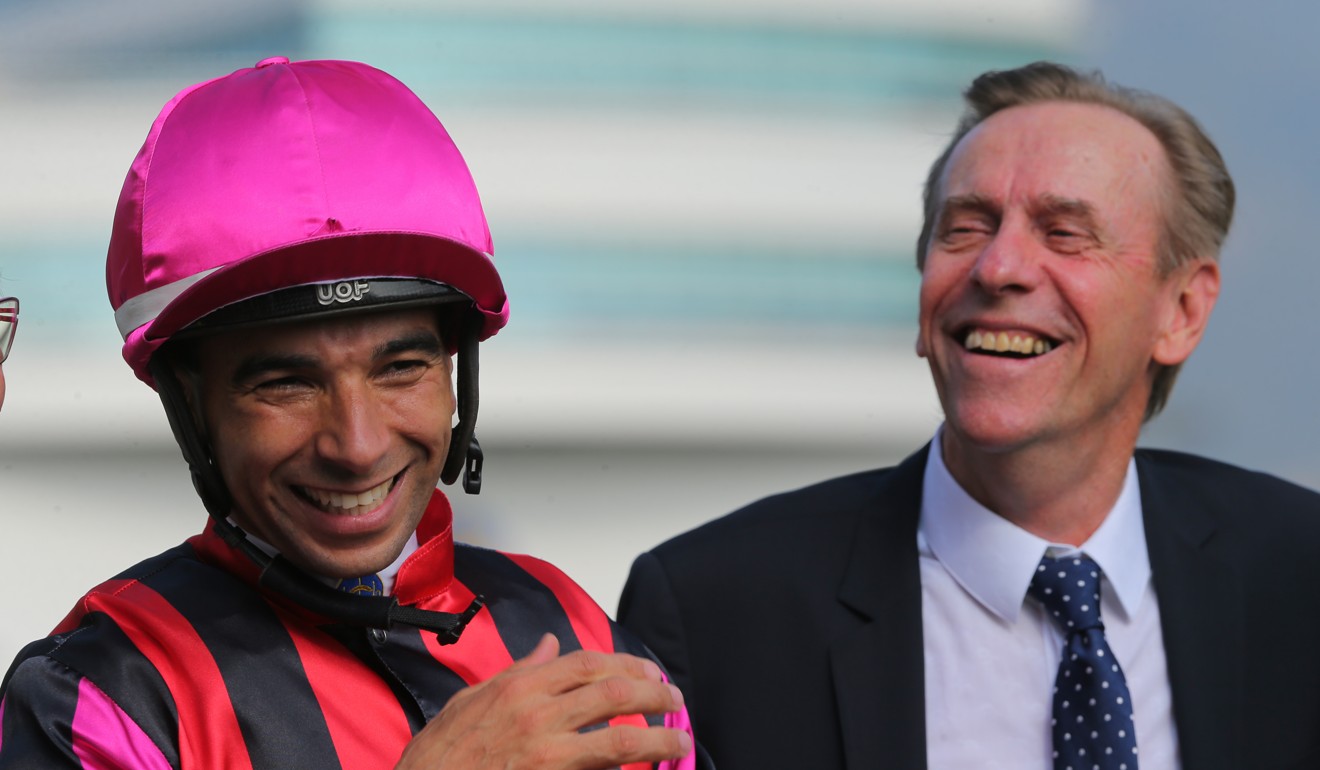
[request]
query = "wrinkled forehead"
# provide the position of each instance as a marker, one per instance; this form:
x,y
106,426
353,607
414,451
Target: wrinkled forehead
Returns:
x,y
1063,150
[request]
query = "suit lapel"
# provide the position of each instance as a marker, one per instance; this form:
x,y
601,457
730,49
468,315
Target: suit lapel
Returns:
x,y
878,670
1201,616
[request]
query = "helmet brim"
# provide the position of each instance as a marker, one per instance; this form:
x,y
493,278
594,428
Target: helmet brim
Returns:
x,y
330,258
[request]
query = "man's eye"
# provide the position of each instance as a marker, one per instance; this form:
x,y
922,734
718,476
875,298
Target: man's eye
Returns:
x,y
963,230
404,367
280,385
1068,239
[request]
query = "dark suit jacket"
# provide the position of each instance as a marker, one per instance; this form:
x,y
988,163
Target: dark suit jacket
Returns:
x,y
793,626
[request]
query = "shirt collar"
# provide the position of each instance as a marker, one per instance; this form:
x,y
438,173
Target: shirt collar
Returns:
x,y
994,559
388,574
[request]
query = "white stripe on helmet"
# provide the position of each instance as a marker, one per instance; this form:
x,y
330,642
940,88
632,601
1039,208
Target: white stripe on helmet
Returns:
x,y
146,306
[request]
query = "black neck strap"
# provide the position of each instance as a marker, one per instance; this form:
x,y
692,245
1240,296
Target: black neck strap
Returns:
x,y
281,576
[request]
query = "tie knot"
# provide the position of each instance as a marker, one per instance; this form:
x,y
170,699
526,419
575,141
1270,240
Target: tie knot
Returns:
x,y
1070,590
367,585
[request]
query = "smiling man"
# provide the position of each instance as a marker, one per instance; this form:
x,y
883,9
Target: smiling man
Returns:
x,y
298,252
1030,590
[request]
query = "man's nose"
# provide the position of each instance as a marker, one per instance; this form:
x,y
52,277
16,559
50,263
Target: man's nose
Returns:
x,y
1009,262
354,433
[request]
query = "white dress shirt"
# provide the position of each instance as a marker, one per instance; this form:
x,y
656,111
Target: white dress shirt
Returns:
x,y
991,653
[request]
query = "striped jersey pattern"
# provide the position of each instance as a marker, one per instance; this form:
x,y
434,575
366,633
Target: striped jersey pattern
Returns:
x,y
183,663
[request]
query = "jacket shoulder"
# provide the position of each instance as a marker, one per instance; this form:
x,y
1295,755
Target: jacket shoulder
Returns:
x,y
1216,480
1257,508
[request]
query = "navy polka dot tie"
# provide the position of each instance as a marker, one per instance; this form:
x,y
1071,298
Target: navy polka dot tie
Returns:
x,y
368,585
1093,728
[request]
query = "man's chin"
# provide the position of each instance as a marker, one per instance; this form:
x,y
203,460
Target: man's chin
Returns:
x,y
347,564
997,431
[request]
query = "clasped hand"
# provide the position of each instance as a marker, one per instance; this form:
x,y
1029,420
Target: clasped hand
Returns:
x,y
528,716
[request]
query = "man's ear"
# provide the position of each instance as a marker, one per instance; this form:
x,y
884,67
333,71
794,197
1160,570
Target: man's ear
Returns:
x,y
1193,290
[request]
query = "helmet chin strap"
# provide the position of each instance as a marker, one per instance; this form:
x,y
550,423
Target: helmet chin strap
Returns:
x,y
282,576
464,451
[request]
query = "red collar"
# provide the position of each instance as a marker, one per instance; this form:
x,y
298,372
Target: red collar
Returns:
x,y
430,569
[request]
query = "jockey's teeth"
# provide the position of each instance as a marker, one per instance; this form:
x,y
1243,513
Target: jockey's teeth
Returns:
x,y
349,502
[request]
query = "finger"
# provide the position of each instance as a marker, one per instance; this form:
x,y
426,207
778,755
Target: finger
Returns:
x,y
545,650
580,668
606,699
624,744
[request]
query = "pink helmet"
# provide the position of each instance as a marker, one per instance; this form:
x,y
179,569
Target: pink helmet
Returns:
x,y
295,189
287,174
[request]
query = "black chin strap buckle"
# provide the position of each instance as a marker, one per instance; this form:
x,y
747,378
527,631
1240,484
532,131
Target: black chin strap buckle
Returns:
x,y
448,627
450,636
472,468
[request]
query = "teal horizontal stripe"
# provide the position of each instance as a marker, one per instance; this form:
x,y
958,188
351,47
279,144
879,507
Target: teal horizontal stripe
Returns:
x,y
554,284
60,279
487,56
593,284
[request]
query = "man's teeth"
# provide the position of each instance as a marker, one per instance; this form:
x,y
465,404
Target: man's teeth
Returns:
x,y
349,502
1001,342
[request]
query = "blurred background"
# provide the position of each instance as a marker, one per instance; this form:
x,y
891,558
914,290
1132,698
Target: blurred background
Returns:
x,y
704,212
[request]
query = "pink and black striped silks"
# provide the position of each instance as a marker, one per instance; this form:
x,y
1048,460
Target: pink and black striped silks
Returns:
x,y
182,662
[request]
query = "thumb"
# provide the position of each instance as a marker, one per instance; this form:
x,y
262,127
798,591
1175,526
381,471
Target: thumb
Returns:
x,y
545,651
